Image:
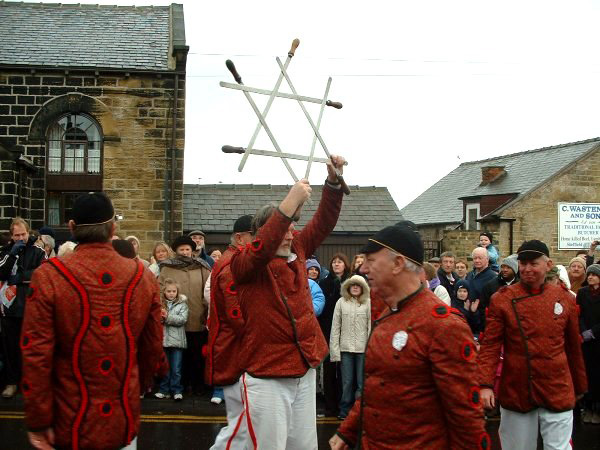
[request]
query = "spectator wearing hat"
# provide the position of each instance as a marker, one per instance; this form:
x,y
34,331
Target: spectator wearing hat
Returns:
x,y
463,301
313,269
225,333
136,247
191,275
199,239
92,339
282,343
486,240
509,274
435,262
543,371
420,354
18,259
576,271
588,299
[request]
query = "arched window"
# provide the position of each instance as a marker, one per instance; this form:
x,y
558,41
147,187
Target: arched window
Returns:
x,y
73,163
74,146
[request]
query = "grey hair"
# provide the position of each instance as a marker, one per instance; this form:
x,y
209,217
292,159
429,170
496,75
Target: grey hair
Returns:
x,y
48,240
487,255
408,264
261,217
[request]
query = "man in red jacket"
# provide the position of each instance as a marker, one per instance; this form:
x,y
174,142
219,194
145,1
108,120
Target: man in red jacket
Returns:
x,y
225,333
283,342
543,370
91,335
420,386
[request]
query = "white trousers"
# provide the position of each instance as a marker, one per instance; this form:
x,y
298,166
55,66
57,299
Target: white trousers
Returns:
x,y
281,412
519,431
234,436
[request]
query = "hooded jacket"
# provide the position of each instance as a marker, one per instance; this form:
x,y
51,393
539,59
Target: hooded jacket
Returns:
x,y
351,323
191,275
474,319
174,326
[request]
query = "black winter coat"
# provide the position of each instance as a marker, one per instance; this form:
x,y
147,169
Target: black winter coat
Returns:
x,y
589,319
444,281
29,259
331,290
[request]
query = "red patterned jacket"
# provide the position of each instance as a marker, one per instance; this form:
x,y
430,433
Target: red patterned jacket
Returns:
x,y
226,326
91,332
282,337
543,363
420,387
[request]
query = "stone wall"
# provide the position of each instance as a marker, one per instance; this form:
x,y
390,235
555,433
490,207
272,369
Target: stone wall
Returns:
x,y
537,215
135,113
460,242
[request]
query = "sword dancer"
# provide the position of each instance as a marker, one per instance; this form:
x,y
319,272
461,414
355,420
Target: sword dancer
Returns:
x,y
92,337
282,342
225,332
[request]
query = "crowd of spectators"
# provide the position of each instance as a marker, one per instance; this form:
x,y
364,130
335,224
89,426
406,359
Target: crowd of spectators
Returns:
x,y
341,301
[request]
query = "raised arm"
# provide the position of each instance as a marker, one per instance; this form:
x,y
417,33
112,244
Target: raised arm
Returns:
x,y
247,261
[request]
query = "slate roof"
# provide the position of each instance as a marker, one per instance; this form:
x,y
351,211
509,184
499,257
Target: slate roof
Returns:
x,y
525,171
214,207
94,36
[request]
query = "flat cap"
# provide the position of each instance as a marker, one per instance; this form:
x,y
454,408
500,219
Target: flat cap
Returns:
x,y
532,250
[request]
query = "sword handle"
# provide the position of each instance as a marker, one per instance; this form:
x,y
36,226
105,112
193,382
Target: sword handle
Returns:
x,y
231,149
236,75
336,105
295,44
343,186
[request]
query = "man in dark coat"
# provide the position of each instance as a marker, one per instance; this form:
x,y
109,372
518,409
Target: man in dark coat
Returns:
x,y
92,339
420,378
509,274
446,274
18,260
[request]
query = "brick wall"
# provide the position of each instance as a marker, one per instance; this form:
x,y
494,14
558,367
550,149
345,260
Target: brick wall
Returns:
x,y
460,242
537,215
136,118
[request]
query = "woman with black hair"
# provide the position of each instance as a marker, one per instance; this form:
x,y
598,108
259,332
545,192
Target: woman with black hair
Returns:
x,y
339,271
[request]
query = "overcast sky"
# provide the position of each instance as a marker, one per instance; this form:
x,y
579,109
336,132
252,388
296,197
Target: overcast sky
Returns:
x,y
425,84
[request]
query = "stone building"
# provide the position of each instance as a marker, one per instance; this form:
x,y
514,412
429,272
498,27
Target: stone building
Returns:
x,y
92,98
213,208
515,196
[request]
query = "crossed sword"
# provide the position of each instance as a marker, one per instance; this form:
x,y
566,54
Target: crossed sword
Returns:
x,y
262,123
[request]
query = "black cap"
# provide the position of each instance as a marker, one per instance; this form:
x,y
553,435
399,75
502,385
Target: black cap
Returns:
x,y
124,248
183,240
404,240
531,250
94,208
487,234
47,231
243,224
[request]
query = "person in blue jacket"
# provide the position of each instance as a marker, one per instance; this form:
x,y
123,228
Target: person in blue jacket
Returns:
x,y
318,298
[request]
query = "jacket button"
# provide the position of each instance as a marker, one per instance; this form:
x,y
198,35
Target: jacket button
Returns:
x,y
514,301
527,338
381,383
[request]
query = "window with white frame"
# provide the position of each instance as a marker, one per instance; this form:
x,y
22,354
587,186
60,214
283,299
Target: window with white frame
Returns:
x,y
472,214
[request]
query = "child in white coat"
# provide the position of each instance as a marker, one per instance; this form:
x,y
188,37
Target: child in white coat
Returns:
x,y
349,333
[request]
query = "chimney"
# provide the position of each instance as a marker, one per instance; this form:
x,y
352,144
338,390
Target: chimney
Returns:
x,y
489,174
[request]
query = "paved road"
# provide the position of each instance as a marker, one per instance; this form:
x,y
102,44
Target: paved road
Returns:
x,y
194,423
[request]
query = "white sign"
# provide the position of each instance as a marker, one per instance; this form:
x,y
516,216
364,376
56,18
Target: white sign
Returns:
x,y
578,225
